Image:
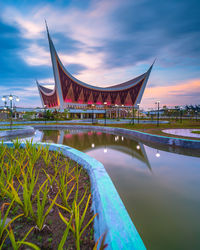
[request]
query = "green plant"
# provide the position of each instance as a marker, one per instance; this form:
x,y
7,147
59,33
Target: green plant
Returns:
x,y
63,186
41,215
76,228
46,156
17,244
64,237
4,217
27,187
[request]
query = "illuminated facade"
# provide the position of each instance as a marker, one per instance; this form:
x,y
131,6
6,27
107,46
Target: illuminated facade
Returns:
x,y
69,90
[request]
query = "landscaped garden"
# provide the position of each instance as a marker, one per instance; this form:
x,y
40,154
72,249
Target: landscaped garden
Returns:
x,y
45,200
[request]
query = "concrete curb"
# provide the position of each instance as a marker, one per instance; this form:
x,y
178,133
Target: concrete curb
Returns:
x,y
112,216
17,131
144,137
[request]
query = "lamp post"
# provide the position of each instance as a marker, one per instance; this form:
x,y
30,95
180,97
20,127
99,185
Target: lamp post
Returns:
x,y
11,98
123,111
181,114
158,103
117,113
133,115
92,113
105,103
138,113
45,114
196,112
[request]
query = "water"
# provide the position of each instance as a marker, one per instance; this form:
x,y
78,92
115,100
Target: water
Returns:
x,y
160,190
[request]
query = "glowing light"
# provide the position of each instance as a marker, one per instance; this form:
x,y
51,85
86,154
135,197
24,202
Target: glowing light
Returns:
x,y
3,99
68,136
68,100
138,147
10,97
157,154
17,99
122,138
93,145
116,138
105,150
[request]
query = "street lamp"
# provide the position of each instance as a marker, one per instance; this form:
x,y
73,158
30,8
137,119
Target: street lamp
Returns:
x,y
45,114
11,98
158,102
181,114
133,115
122,111
196,112
92,113
138,113
117,114
105,103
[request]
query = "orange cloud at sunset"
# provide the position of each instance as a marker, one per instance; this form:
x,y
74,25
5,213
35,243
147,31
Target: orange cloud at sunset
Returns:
x,y
179,94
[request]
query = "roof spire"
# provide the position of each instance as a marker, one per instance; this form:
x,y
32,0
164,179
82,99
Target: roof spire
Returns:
x,y
154,61
46,27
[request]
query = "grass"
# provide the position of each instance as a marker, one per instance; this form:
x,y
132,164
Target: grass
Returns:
x,y
196,132
46,197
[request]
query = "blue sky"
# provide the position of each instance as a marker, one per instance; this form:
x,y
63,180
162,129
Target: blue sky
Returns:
x,y
103,43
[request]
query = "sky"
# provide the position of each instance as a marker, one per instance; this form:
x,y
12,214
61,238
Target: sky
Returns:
x,y
102,43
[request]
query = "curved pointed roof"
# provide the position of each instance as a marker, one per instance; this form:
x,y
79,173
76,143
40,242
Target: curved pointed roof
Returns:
x,y
69,89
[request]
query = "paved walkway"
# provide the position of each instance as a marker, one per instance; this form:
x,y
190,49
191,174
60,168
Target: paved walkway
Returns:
x,y
182,132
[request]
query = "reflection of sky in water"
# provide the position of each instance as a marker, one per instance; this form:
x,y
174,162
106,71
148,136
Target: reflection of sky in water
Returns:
x,y
161,194
164,203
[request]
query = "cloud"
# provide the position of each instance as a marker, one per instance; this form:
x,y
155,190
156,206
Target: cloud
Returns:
x,y
36,55
104,42
180,94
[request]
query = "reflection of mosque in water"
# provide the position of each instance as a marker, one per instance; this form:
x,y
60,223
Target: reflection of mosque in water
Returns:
x,y
88,140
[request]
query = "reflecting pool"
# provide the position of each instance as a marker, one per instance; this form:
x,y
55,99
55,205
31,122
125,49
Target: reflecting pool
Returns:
x,y
161,190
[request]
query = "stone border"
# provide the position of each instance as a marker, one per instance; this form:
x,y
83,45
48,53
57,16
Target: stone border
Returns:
x,y
112,217
86,121
17,131
187,132
144,137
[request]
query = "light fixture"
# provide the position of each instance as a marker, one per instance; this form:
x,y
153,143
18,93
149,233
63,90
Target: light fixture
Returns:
x,y
122,138
105,103
93,145
17,99
138,147
3,99
10,97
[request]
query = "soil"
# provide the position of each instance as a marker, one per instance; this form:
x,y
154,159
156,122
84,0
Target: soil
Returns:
x,y
51,235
